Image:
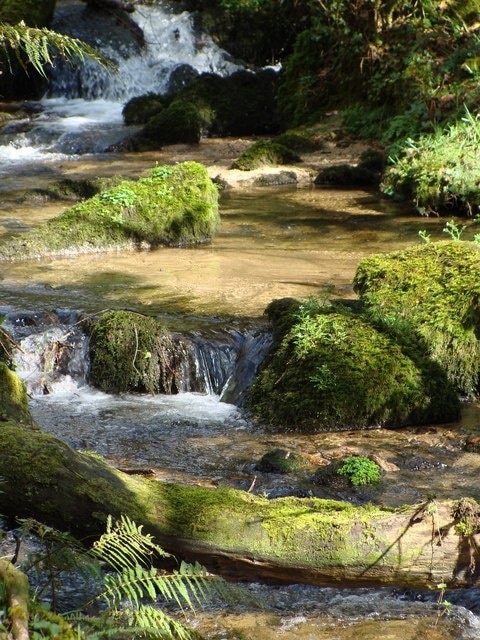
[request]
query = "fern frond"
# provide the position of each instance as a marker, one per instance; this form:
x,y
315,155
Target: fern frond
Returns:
x,y
156,624
38,44
124,544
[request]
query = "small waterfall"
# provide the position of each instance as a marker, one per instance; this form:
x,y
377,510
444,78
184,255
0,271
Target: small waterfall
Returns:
x,y
146,52
53,356
82,111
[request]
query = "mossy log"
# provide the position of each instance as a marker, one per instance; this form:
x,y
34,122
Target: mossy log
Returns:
x,y
173,205
234,532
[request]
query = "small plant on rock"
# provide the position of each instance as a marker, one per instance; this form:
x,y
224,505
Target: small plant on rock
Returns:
x,y
360,471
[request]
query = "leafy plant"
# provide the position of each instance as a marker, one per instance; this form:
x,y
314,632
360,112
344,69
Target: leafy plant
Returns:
x,y
129,593
37,45
454,230
360,471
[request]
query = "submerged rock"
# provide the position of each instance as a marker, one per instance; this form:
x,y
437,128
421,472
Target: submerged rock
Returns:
x,y
173,205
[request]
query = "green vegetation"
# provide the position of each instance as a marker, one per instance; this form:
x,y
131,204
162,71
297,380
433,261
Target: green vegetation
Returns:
x,y
180,122
124,581
331,369
13,397
265,153
439,172
173,205
281,461
433,289
243,103
360,471
131,352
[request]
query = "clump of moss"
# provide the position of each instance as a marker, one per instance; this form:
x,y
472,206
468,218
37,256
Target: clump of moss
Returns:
x,y
297,142
173,205
435,289
140,109
180,122
335,370
281,461
265,153
131,352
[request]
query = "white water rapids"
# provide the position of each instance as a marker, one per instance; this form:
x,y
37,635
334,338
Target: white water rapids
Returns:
x,y
82,111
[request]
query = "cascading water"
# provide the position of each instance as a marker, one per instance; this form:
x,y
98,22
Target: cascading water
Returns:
x,y
82,112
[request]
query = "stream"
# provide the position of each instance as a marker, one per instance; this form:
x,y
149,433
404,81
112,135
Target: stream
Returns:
x,y
272,243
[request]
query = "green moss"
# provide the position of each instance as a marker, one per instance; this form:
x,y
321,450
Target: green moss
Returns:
x,y
440,172
180,122
265,153
336,370
36,464
281,528
140,109
243,103
360,471
281,461
131,352
173,205
13,397
435,289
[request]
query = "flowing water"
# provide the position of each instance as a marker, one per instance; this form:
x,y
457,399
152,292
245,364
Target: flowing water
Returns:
x,y
272,243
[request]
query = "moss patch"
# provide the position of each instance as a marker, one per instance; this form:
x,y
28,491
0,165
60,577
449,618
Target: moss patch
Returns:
x,y
180,122
435,289
265,153
131,352
336,370
13,397
173,205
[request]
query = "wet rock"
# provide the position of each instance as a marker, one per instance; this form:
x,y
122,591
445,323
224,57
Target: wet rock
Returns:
x,y
281,461
276,179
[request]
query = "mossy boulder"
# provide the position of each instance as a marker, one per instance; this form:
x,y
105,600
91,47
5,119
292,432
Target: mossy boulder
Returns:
x,y
281,461
140,109
13,397
335,370
131,352
173,205
433,288
347,175
180,122
265,153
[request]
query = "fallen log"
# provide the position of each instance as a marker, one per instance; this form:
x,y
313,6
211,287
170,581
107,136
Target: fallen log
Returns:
x,y
235,533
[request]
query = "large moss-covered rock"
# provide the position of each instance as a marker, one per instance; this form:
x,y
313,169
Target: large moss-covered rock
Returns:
x,y
173,205
331,369
435,289
131,352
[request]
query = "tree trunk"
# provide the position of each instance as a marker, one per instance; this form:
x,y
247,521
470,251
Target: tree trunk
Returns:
x,y
235,533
